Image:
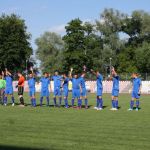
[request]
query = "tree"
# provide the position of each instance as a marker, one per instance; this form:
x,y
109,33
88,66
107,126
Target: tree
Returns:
x,y
74,54
49,51
15,48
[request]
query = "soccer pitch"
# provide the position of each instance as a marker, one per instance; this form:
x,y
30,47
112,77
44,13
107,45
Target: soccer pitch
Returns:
x,y
48,128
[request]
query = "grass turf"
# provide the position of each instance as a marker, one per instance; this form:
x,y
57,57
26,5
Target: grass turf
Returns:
x,y
71,129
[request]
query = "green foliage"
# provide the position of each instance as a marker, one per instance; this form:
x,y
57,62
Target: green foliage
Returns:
x,y
49,51
123,38
14,43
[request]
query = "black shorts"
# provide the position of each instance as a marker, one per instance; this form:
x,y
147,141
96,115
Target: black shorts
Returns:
x,y
20,90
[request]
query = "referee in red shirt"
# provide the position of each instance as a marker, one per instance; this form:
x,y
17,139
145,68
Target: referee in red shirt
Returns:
x,y
21,82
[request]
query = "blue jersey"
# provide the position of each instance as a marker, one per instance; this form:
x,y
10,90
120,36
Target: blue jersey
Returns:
x,y
116,82
66,83
31,83
57,81
9,81
82,82
99,81
45,82
136,84
75,83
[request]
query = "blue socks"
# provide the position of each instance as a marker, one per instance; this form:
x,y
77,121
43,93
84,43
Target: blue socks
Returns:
x,y
66,102
41,100
33,102
117,103
131,104
113,103
12,99
100,103
79,102
72,102
137,103
54,101
5,100
47,98
86,102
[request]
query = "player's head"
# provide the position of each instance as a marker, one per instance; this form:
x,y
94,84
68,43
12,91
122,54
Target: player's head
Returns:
x,y
64,75
134,75
45,74
30,74
75,75
19,74
56,73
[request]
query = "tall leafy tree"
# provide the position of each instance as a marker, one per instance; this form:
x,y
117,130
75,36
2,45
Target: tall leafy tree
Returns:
x,y
15,47
49,51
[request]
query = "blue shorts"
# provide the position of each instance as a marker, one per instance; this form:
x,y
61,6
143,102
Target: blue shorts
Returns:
x,y
31,92
135,94
99,91
83,93
45,92
57,91
65,92
115,93
75,93
9,90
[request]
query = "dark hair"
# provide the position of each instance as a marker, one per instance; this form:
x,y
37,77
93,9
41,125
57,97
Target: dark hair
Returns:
x,y
45,73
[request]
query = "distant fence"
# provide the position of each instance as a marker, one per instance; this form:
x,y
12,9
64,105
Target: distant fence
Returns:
x,y
125,86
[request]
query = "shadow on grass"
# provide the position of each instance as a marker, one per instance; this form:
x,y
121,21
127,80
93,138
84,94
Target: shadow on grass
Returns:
x,y
6,147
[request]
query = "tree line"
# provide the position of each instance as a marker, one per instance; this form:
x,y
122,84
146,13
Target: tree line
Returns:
x,y
117,38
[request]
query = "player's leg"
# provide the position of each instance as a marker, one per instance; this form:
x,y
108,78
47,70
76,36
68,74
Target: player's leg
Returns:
x,y
47,97
132,101
78,95
137,101
12,96
13,99
100,100
73,97
66,98
20,94
54,97
60,96
6,96
34,98
43,93
30,95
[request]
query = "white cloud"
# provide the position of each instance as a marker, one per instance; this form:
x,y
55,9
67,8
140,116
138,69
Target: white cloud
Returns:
x,y
60,29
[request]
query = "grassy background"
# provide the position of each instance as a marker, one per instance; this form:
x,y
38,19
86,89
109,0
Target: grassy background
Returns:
x,y
70,129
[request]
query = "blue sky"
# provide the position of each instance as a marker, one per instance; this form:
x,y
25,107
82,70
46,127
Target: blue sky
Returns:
x,y
53,15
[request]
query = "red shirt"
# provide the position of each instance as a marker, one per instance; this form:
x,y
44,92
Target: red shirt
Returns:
x,y
21,81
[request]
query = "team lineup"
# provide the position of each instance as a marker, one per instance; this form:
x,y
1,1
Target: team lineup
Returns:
x,y
61,83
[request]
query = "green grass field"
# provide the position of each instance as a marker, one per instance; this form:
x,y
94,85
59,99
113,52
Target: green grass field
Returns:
x,y
51,128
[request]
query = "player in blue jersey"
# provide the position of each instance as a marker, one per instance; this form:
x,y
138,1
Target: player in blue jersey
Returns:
x,y
99,105
57,88
115,89
31,84
45,82
9,87
76,89
136,91
83,87
65,89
